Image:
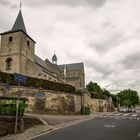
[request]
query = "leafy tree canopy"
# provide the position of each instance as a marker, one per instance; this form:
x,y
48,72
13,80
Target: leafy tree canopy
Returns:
x,y
127,102
94,87
127,96
106,92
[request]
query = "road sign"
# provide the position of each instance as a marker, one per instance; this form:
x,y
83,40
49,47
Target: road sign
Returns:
x,y
110,99
20,78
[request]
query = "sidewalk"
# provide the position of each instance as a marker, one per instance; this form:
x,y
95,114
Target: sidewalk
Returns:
x,y
51,122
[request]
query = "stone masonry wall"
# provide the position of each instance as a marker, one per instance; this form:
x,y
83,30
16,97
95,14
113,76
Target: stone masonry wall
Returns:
x,y
99,105
49,102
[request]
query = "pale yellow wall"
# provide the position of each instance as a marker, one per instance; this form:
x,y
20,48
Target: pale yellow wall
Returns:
x,y
17,50
95,104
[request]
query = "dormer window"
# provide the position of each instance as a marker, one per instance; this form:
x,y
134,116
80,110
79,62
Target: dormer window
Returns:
x,y
10,39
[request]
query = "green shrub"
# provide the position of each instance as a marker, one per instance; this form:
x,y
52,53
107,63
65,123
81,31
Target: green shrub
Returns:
x,y
97,96
35,82
8,109
85,111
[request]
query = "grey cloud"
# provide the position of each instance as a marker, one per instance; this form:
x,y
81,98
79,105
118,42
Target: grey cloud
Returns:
x,y
95,3
103,46
132,61
103,69
135,83
7,3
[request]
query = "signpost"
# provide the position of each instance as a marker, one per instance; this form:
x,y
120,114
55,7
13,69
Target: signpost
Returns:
x,y
6,87
20,79
110,102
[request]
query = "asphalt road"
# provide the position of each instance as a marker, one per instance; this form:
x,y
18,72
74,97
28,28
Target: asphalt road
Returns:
x,y
113,126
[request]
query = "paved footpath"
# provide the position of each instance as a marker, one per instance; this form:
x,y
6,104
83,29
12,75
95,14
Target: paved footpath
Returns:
x,y
51,122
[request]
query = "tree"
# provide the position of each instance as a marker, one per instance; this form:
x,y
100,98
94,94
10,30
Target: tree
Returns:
x,y
106,92
128,95
127,103
114,99
93,87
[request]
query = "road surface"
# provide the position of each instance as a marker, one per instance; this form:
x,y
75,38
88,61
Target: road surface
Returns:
x,y
112,126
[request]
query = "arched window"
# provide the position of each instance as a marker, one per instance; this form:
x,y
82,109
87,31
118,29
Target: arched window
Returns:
x,y
9,63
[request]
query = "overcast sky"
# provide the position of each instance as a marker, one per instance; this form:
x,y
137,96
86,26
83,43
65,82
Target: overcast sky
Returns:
x,y
104,34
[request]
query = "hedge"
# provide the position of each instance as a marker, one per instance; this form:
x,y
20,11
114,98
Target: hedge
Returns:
x,y
85,110
98,96
37,83
8,106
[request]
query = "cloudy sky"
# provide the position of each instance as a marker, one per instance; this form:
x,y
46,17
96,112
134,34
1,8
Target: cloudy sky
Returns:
x,y
104,34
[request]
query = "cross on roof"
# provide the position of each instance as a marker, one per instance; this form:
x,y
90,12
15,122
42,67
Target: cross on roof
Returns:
x,y
20,4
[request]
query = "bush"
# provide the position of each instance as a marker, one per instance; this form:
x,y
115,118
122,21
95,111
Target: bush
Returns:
x,y
9,109
98,96
85,111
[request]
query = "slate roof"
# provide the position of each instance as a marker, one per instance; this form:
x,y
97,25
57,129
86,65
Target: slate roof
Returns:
x,y
19,23
46,65
18,26
72,67
39,61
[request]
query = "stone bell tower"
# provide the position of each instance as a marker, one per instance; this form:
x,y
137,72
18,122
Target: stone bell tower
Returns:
x,y
16,48
54,59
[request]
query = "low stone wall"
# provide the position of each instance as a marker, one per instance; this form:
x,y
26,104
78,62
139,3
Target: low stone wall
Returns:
x,y
49,102
99,105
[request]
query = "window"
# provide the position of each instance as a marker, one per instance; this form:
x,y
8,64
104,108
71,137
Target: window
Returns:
x,y
8,63
10,39
28,43
73,73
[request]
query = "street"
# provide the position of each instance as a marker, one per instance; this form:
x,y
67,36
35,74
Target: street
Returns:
x,y
113,126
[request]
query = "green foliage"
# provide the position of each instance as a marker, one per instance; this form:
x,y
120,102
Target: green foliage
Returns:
x,y
93,87
106,92
129,95
79,91
8,108
86,110
97,96
98,93
114,97
38,83
127,103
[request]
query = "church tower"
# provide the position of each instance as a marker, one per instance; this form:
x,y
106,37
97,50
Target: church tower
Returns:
x,y
54,59
17,47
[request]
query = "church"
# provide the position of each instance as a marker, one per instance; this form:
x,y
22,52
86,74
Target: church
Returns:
x,y
17,55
